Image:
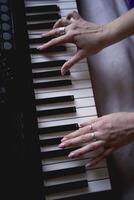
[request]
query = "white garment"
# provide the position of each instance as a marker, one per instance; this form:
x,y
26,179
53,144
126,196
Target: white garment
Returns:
x,y
112,72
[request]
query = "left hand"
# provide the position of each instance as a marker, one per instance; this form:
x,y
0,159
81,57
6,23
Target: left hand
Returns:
x,y
111,132
87,36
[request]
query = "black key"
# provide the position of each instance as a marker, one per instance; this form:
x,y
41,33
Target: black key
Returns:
x,y
43,16
53,49
54,100
56,153
48,74
40,40
50,141
49,84
43,25
54,63
66,186
42,8
57,111
54,129
63,172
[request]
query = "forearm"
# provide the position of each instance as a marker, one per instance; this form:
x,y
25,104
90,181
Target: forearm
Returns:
x,y
119,28
130,126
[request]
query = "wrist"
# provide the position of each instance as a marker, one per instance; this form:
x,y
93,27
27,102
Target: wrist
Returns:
x,y
107,37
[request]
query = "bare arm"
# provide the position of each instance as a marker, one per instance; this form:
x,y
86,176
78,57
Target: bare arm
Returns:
x,y
119,28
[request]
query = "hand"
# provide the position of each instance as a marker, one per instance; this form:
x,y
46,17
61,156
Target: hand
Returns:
x,y
87,36
111,132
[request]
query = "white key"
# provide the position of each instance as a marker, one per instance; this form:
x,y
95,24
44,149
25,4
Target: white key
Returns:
x,y
79,103
62,5
79,93
65,121
65,57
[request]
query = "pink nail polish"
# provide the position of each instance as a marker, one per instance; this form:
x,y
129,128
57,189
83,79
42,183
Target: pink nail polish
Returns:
x,y
39,48
71,155
62,145
63,139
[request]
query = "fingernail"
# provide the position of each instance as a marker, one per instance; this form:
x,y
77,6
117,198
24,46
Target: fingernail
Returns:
x,y
39,48
62,145
63,72
63,139
88,165
71,155
43,35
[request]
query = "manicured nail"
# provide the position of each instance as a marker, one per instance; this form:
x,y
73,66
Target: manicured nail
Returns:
x,y
43,35
39,48
88,165
63,139
62,145
71,155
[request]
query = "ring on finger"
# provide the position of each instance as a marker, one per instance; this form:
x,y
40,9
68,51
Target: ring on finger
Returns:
x,y
62,31
93,136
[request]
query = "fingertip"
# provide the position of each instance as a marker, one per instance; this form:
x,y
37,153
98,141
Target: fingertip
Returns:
x,y
63,72
71,155
63,139
65,68
43,35
39,48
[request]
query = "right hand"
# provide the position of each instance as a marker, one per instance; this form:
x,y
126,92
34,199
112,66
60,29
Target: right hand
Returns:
x,y
87,36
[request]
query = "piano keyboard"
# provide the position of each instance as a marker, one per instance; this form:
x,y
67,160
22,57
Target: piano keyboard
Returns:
x,y
62,102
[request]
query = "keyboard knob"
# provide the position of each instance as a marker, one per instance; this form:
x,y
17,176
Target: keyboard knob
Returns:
x,y
4,8
5,17
6,36
6,27
7,45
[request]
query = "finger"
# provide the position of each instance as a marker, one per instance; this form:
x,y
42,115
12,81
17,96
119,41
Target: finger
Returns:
x,y
86,138
100,157
77,133
54,42
88,122
53,33
61,22
77,57
87,148
74,15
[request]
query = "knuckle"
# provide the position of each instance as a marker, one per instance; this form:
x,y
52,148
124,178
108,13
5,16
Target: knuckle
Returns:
x,y
83,138
79,152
